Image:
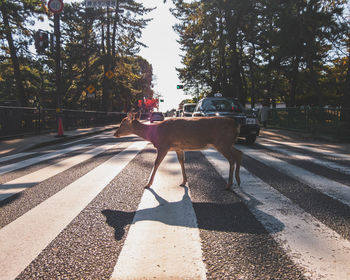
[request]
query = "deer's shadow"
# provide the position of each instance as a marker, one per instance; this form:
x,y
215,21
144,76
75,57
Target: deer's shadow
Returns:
x,y
232,217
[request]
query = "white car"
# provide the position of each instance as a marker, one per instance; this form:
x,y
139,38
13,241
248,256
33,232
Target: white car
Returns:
x,y
156,116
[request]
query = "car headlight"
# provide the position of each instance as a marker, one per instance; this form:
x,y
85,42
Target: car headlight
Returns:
x,y
250,121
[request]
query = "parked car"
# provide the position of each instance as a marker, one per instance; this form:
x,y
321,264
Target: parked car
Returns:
x,y
188,109
156,116
231,108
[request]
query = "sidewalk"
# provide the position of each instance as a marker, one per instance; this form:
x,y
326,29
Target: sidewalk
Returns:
x,y
21,144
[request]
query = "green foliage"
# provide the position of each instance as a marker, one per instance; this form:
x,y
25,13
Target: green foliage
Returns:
x,y
257,49
98,48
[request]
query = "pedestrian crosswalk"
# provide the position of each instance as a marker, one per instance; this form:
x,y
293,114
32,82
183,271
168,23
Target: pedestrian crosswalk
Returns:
x,y
323,253
103,225
31,161
163,232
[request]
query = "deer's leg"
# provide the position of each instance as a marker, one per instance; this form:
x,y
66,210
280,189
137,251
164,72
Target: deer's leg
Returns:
x,y
227,153
181,158
237,156
161,153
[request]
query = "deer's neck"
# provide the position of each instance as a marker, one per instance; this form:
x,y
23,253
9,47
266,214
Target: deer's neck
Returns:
x,y
143,130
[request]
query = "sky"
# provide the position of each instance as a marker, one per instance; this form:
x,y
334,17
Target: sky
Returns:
x,y
163,52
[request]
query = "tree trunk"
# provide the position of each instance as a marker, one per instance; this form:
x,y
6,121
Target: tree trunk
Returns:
x,y
107,85
236,81
222,75
293,82
114,32
21,99
347,85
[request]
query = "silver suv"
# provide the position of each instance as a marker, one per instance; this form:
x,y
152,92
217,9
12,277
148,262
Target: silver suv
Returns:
x,y
188,109
231,108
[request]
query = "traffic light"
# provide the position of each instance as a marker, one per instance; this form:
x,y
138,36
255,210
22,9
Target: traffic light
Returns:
x,y
180,86
41,39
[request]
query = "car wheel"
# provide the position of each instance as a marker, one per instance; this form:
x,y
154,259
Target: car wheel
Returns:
x,y
250,139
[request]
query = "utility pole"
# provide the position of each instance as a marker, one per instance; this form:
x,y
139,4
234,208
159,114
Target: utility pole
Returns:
x,y
56,6
58,59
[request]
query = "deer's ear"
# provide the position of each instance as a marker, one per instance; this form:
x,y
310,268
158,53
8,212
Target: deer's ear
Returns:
x,y
130,116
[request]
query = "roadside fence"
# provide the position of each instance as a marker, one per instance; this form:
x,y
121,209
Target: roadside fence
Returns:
x,y
317,121
26,120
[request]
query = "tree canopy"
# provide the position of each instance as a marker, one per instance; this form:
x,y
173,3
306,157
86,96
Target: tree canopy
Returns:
x,y
101,68
296,51
293,51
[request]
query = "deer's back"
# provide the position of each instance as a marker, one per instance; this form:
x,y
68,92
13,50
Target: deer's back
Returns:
x,y
196,133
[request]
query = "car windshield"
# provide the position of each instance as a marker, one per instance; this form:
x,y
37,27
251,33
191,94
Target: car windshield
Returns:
x,y
222,105
157,114
189,108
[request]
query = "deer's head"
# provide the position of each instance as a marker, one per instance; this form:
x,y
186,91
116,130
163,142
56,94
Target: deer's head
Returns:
x,y
125,127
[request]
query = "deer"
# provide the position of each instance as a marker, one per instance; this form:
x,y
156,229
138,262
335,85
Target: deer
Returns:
x,y
187,134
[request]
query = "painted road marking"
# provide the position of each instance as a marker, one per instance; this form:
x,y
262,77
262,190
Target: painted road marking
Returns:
x,y
322,252
316,149
31,161
22,240
104,135
7,158
331,188
20,184
163,241
328,164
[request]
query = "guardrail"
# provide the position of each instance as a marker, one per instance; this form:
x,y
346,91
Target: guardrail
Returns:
x,y
317,121
24,120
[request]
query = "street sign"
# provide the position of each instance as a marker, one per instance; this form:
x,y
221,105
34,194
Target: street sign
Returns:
x,y
90,89
55,6
100,3
109,74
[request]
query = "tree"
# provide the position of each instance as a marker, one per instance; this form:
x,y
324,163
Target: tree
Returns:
x,y
258,49
14,15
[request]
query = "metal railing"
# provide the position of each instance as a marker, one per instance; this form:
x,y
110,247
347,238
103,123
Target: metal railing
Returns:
x,y
24,120
317,121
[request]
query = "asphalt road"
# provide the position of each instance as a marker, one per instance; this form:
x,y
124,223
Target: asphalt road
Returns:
x,y
78,210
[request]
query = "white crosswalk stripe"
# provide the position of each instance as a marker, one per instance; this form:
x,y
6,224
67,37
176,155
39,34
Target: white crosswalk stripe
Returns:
x,y
312,148
165,224
334,189
164,240
19,155
328,164
307,241
31,161
22,240
20,184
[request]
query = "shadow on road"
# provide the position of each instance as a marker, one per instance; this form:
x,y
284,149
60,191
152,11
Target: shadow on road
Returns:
x,y
225,217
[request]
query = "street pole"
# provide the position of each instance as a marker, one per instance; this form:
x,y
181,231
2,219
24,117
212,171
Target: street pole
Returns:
x,y
58,58
58,72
